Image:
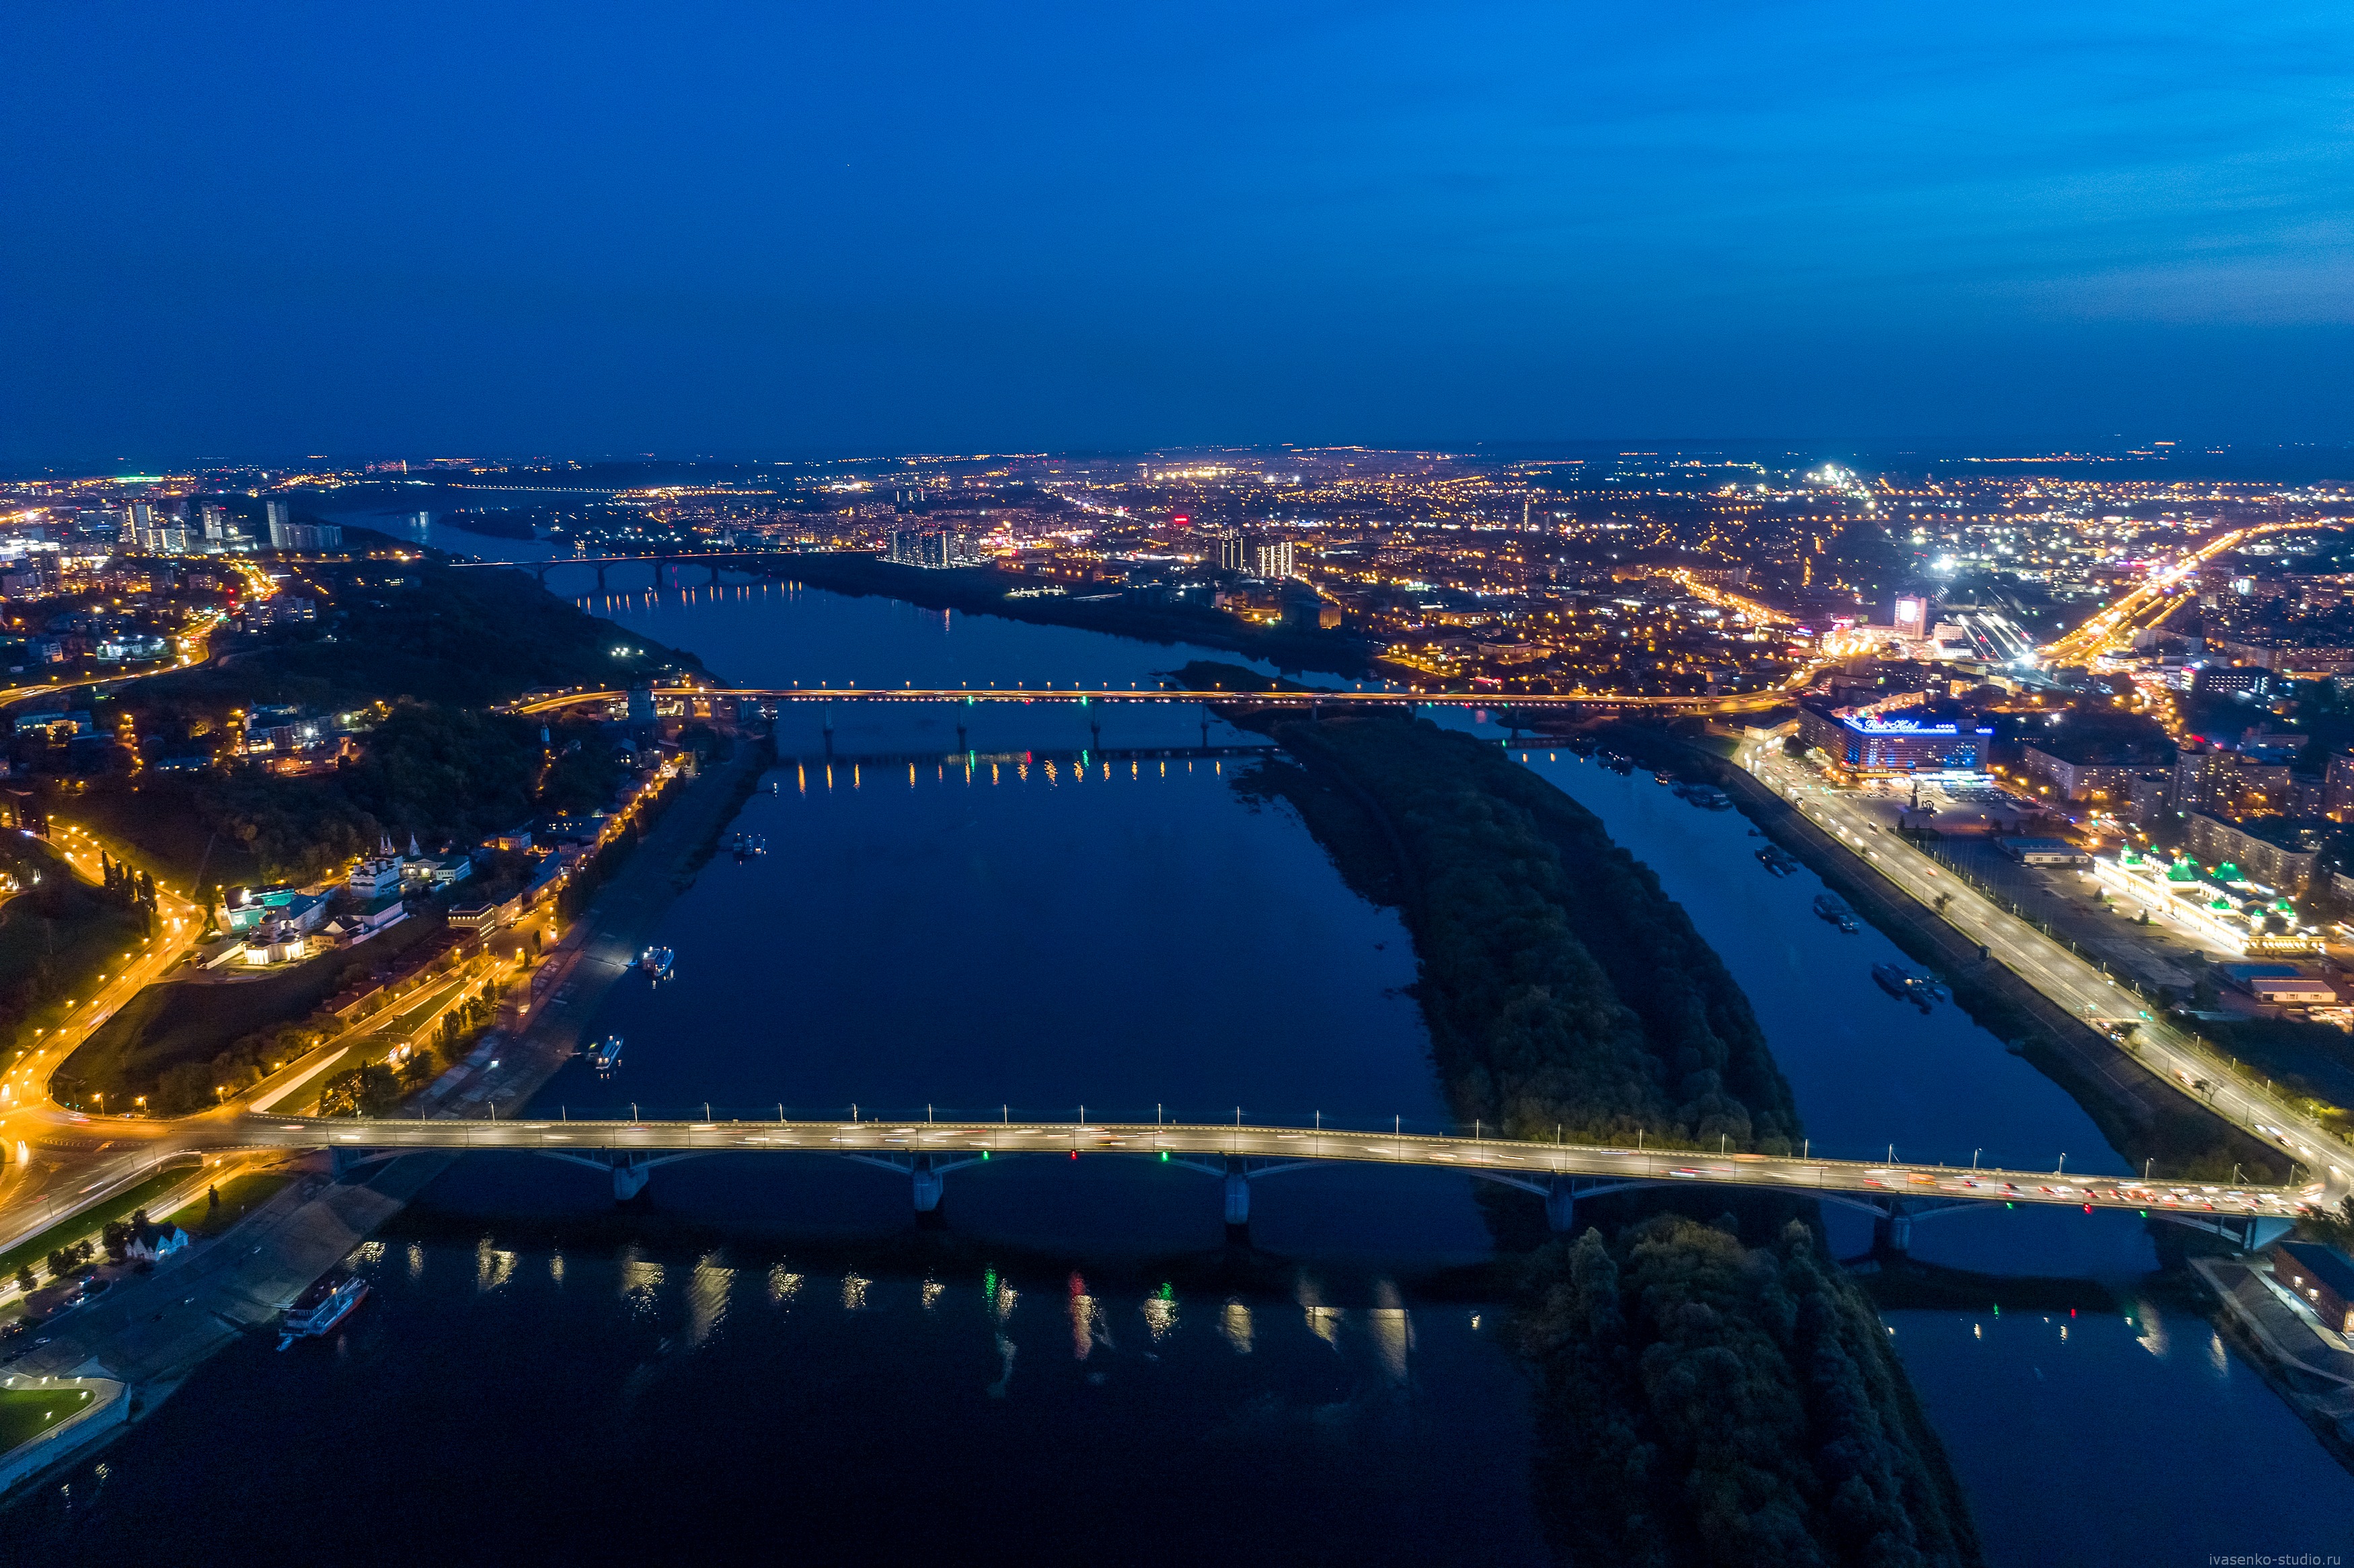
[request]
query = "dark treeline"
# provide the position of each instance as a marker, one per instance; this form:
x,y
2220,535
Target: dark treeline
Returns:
x,y
1562,988
1699,1401
1704,1401
443,774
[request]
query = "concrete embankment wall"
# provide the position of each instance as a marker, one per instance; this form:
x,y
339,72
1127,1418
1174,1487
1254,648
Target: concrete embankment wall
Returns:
x,y
151,1329
110,1408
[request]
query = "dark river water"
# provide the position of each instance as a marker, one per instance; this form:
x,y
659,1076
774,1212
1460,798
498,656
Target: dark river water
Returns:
x,y
773,1360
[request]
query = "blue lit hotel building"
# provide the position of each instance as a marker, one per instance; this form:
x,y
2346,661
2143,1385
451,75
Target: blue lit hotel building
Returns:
x,y
1910,740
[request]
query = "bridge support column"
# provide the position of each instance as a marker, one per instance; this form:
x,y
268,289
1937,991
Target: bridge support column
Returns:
x,y
928,1184
1238,1194
714,574
1095,729
960,745
1560,1206
630,1175
341,1161
600,579
1892,1232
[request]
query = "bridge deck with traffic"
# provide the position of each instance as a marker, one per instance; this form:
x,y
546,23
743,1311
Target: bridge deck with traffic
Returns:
x,y
1562,1172
1335,700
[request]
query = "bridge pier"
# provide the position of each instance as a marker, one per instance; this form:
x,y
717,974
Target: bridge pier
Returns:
x,y
1560,1206
600,578
1891,1233
342,1160
1237,1193
714,574
631,1174
929,1183
960,745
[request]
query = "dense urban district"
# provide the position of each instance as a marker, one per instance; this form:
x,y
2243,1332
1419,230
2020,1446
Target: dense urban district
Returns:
x,y
310,815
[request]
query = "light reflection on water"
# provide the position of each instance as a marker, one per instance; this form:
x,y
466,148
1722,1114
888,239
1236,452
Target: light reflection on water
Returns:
x,y
665,1379
1865,1076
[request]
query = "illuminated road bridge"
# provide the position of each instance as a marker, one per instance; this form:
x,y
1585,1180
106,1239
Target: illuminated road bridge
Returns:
x,y
1315,701
1897,1194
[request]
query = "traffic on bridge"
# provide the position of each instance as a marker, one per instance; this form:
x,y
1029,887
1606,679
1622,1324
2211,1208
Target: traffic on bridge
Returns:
x,y
632,1144
1384,700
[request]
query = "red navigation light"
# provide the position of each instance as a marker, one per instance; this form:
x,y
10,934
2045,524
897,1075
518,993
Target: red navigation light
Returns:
x,y
1074,1154
1180,520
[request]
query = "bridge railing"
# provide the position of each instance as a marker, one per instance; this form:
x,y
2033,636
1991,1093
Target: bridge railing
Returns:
x,y
2009,1161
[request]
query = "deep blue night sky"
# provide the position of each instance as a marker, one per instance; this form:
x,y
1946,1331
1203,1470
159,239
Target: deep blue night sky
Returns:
x,y
770,231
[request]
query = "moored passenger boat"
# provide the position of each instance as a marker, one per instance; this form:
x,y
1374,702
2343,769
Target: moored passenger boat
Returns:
x,y
329,1300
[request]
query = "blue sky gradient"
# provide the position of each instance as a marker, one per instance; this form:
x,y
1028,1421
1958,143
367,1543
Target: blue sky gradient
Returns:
x,y
250,230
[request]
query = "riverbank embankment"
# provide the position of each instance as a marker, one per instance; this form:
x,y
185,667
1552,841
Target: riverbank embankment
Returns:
x,y
151,1333
2142,1119
603,945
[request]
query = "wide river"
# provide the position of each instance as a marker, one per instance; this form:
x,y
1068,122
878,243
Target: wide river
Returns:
x,y
772,1357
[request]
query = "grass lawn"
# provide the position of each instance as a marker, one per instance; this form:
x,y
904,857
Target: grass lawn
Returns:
x,y
195,1020
89,1222
179,1020
26,1413
240,1195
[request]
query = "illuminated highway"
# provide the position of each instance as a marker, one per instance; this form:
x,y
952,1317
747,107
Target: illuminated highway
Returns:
x,y
57,1161
2074,982
195,650
1529,1163
2158,596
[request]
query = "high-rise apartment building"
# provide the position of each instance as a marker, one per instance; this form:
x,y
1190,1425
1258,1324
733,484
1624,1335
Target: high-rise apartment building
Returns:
x,y
1272,561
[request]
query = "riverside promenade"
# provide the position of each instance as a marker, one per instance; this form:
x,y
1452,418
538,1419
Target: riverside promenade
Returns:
x,y
151,1332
